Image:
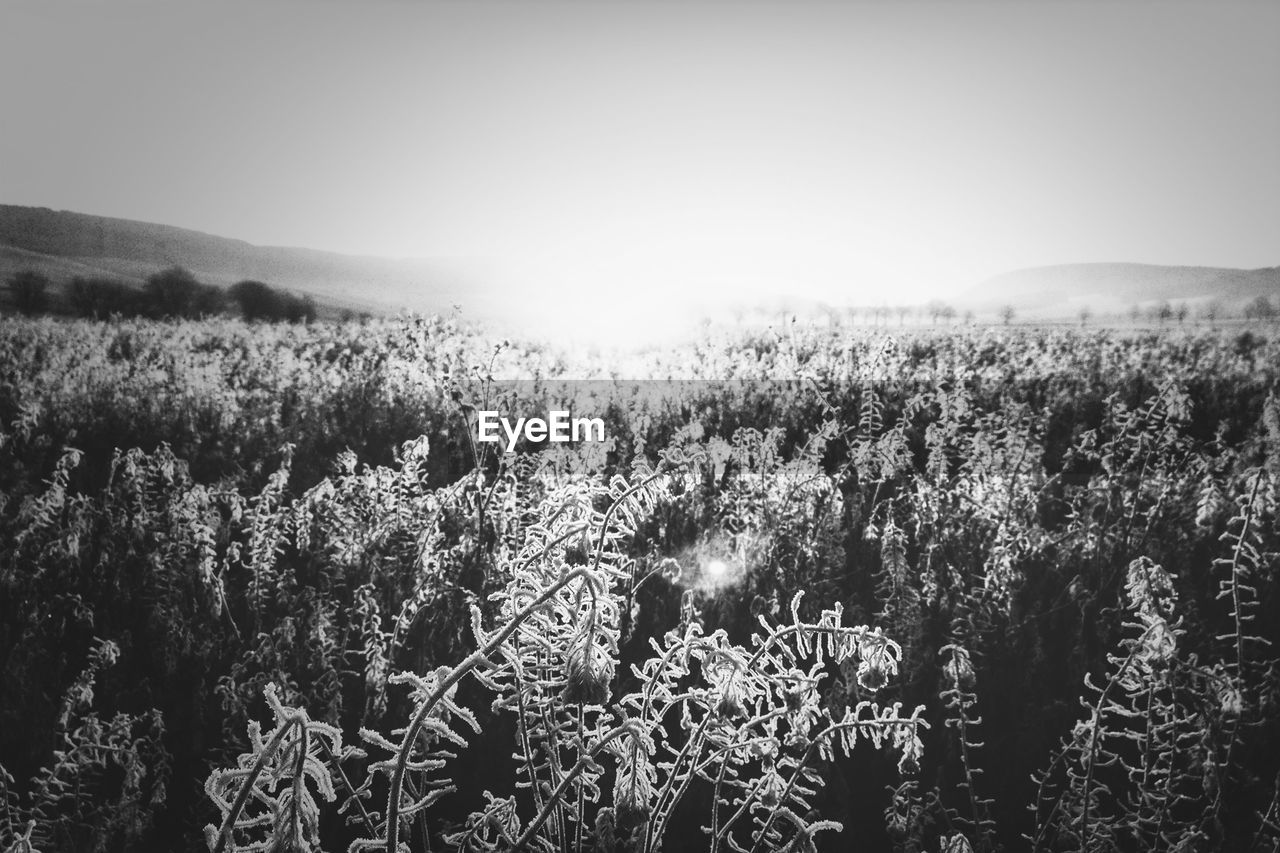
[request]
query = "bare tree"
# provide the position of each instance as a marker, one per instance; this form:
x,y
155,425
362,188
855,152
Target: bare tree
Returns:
x,y
1007,314
936,308
1212,311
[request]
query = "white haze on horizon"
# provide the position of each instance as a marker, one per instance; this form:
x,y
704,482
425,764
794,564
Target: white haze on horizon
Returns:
x,y
610,164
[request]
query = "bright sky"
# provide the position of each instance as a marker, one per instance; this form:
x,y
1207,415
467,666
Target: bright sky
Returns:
x,y
861,152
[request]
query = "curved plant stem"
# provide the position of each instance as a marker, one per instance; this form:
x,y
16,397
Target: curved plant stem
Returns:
x,y
455,675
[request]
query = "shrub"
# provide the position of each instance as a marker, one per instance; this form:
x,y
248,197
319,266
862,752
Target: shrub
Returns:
x,y
100,298
29,291
174,292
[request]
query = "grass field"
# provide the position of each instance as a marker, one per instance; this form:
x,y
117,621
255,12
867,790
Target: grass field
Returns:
x,y
881,589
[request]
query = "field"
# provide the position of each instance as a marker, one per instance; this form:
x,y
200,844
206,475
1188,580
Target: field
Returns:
x,y
928,590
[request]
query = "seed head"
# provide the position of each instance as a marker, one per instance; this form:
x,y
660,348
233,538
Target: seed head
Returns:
x,y
589,672
877,660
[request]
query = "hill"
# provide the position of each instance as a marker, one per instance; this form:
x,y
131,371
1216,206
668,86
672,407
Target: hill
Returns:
x,y
62,244
1116,287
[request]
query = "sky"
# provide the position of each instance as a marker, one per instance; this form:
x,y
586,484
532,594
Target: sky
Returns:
x,y
855,152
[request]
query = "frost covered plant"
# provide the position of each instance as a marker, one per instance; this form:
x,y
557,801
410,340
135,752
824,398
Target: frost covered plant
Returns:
x,y
635,778
757,728
1148,766
956,844
588,672
878,658
597,768
105,779
959,668
266,802
1090,809
962,718
1152,599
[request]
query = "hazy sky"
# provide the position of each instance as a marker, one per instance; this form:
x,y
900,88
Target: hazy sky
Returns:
x,y
861,151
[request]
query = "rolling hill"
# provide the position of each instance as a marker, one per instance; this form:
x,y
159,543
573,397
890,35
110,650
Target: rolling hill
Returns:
x,y
62,244
1060,291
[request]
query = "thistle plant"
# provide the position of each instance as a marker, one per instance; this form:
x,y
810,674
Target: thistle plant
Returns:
x,y
960,698
1005,510
749,723
103,783
266,802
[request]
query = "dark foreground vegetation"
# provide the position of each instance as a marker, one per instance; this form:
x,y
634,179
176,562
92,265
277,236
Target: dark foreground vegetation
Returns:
x,y
260,589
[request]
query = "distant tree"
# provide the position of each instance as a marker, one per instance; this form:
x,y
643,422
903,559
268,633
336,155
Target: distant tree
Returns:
x,y
1164,312
1135,313
1085,314
937,308
101,298
948,313
1181,312
1259,309
210,300
176,293
1007,314
969,317
257,301
300,309
30,291
1212,311
902,311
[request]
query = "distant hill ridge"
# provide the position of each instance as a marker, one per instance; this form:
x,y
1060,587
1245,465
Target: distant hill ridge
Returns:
x,y
62,244
1117,286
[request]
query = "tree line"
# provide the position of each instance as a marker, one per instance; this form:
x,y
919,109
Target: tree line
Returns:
x,y
171,293
936,312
